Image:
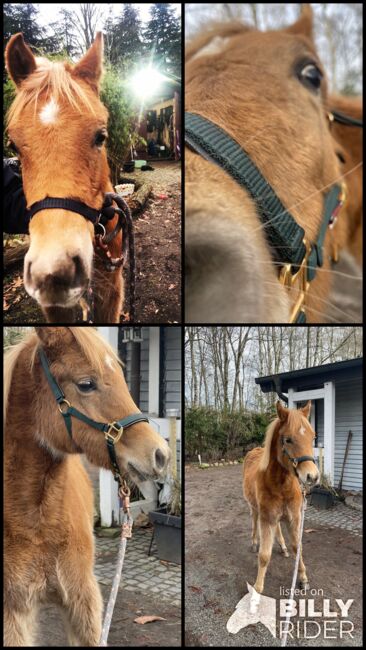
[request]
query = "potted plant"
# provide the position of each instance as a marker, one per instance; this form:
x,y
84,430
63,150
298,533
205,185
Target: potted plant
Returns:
x,y
167,521
324,495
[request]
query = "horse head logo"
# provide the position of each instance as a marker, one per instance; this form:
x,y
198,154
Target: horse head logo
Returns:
x,y
253,608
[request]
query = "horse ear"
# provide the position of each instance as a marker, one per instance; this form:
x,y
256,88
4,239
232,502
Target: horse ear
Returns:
x,y
90,67
306,409
20,61
282,411
54,337
304,25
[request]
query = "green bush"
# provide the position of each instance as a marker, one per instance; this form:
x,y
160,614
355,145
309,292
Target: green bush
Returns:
x,y
222,434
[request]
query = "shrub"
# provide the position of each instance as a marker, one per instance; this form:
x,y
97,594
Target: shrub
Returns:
x,y
222,434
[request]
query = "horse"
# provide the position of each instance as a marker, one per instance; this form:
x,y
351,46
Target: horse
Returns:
x,y
48,510
274,479
57,125
263,95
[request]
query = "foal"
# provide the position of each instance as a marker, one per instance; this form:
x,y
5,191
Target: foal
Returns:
x,y
58,127
274,477
49,546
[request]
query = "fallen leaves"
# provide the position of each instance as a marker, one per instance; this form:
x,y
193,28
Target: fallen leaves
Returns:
x,y
142,620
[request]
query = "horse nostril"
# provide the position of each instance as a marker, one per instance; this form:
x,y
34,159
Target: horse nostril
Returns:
x,y
160,459
79,277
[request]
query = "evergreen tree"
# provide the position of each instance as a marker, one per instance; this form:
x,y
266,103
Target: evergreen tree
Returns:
x,y
63,29
127,42
162,39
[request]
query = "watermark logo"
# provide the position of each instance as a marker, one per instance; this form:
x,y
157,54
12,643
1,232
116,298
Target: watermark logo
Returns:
x,y
301,618
252,609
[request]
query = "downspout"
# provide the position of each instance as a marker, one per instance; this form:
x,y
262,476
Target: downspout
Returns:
x,y
281,395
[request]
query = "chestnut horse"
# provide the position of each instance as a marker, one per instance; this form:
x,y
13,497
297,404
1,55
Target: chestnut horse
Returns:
x,y
49,547
274,477
57,125
268,93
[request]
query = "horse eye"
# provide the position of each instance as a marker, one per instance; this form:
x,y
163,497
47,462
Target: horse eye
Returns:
x,y
86,385
311,76
12,146
100,137
288,441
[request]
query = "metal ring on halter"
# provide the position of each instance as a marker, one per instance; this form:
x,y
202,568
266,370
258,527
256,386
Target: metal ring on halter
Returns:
x,y
124,490
68,405
100,225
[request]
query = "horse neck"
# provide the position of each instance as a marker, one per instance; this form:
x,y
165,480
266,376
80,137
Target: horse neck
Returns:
x,y
35,479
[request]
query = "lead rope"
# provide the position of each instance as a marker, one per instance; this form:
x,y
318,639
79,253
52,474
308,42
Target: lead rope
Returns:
x,y
284,637
126,533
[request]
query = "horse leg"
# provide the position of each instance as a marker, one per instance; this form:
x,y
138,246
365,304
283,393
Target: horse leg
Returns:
x,y
281,540
294,529
19,627
82,613
255,530
265,552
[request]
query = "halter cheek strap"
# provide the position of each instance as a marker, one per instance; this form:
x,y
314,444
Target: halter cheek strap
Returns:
x,y
112,430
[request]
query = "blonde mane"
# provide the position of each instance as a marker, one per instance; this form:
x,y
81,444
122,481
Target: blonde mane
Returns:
x,y
88,339
271,429
54,78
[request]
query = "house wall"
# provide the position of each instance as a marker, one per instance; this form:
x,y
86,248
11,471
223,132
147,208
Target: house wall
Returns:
x,y
348,416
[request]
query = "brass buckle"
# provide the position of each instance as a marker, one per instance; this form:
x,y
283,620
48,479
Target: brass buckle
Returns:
x,y
68,406
114,426
288,279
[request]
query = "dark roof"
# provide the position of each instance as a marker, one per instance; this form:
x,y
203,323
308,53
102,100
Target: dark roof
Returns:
x,y
311,377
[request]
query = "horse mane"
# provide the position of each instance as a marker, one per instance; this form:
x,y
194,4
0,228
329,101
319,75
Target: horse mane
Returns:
x,y
270,431
88,339
54,78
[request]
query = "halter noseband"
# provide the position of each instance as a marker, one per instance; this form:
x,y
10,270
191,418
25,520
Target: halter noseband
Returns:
x,y
112,430
99,218
298,257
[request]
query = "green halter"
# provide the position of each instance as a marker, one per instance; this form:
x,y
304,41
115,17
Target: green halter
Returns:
x,y
289,246
112,430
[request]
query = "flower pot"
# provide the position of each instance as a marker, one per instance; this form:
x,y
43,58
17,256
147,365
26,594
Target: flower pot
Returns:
x,y
321,498
167,535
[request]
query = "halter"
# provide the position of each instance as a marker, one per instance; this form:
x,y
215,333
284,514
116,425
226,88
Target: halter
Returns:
x,y
112,430
99,218
299,258
295,460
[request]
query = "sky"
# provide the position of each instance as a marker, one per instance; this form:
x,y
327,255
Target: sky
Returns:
x,y
48,11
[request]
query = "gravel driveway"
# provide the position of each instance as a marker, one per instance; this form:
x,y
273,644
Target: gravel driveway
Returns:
x,y
219,563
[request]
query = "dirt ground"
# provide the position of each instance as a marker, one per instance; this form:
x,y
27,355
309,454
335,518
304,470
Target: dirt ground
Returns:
x,y
219,563
123,631
157,251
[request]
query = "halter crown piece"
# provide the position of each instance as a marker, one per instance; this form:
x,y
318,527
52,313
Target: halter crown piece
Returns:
x,y
113,431
298,257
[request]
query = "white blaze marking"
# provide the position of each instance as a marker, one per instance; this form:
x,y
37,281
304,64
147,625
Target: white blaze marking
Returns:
x,y
49,112
302,430
214,46
109,362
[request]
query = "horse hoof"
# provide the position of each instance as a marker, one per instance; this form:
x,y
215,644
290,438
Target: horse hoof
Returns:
x,y
304,584
258,588
285,552
255,548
